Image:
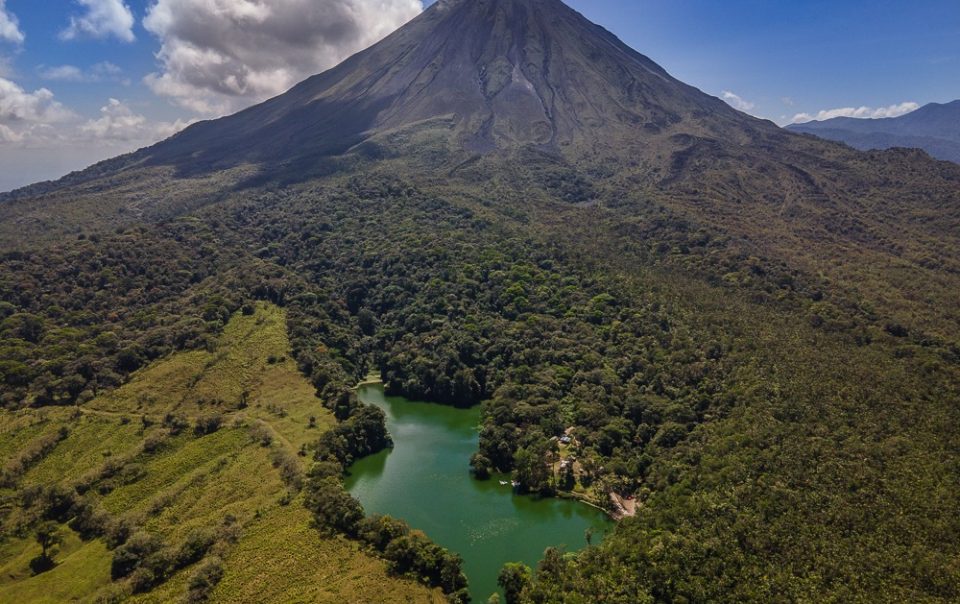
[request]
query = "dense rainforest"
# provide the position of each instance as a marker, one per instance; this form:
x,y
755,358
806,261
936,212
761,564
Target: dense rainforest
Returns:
x,y
782,440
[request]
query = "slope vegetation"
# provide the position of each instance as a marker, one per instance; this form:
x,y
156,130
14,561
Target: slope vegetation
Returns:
x,y
198,455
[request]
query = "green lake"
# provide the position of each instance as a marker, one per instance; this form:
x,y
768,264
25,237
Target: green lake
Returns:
x,y
425,480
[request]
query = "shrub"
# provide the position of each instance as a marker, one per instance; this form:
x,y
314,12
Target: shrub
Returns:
x,y
194,548
289,469
132,554
416,555
117,532
379,531
204,579
89,522
208,424
513,578
261,434
175,423
481,466
333,508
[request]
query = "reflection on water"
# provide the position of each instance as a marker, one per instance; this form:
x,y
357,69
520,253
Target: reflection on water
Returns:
x,y
425,480
372,468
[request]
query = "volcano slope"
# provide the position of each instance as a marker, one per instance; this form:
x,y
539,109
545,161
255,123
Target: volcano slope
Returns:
x,y
752,332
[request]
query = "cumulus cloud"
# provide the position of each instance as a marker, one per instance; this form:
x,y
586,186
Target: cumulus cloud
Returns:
x,y
858,112
17,106
7,135
105,71
218,56
37,120
6,66
28,117
9,26
120,124
737,102
40,139
101,19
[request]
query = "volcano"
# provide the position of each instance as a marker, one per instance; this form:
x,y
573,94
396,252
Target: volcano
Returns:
x,y
488,74
504,82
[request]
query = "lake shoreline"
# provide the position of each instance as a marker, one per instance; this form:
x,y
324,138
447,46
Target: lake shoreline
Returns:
x,y
374,379
424,481
612,515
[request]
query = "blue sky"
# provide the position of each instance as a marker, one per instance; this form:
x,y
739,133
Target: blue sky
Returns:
x,y
82,80
818,55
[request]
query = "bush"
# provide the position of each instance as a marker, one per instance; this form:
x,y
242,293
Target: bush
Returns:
x,y
364,433
414,554
333,508
208,424
117,533
380,531
261,434
175,423
204,579
194,548
143,579
132,554
513,578
289,469
481,466
89,522
154,443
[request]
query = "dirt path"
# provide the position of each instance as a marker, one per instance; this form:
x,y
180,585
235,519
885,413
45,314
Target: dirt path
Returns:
x,y
622,507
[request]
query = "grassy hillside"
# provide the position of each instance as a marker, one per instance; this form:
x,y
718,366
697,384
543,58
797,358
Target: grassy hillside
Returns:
x,y
198,450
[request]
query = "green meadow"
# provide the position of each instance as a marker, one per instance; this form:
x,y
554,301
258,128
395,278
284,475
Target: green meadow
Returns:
x,y
203,447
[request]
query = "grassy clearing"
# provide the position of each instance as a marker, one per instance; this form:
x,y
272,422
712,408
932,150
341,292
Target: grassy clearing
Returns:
x,y
252,349
280,559
183,482
82,570
91,442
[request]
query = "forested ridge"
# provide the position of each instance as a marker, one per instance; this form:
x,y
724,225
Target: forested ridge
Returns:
x,y
784,440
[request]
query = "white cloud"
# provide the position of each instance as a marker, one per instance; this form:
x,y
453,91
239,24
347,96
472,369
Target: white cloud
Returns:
x,y
9,26
6,66
858,112
120,124
28,118
105,71
36,120
40,139
7,135
101,19
62,73
218,56
17,106
736,102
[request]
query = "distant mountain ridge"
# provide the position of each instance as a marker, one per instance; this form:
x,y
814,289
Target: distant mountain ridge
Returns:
x,y
935,128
